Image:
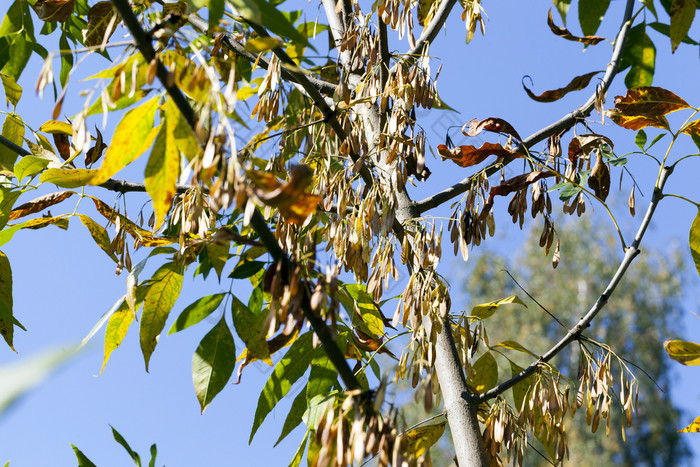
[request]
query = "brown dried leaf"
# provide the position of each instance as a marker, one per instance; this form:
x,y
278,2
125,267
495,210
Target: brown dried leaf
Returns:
x,y
575,84
292,200
39,204
566,34
585,144
692,128
54,10
95,153
100,17
648,101
599,180
467,155
636,122
493,124
62,145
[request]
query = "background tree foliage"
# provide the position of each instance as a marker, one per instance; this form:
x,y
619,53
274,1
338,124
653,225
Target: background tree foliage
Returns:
x,y
647,309
316,214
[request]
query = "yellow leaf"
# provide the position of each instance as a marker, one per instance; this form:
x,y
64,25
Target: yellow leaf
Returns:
x,y
55,127
180,131
692,428
162,171
132,137
485,373
420,439
292,200
485,310
686,353
68,178
261,44
117,327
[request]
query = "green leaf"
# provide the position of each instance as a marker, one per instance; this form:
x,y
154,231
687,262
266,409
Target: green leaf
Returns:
x,y
197,311
7,201
656,140
682,15
684,352
275,21
18,29
563,8
485,310
665,29
135,127
7,320
294,417
641,139
69,178
162,171
66,60
289,369
13,91
216,12
363,303
249,327
317,407
83,461
164,289
485,371
296,460
117,327
154,453
640,55
213,363
13,130
590,14
694,241
246,269
28,166
520,388
120,439
512,345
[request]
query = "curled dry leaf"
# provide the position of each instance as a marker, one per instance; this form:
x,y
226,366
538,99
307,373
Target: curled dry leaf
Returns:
x,y
291,198
599,180
467,155
513,184
585,144
493,124
566,34
575,84
692,128
95,153
636,122
39,204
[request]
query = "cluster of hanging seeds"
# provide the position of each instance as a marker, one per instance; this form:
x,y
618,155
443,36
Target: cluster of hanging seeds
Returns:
x,y
503,434
268,103
465,225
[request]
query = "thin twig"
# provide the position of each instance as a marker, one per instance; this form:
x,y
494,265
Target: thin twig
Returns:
x,y
534,300
584,322
559,126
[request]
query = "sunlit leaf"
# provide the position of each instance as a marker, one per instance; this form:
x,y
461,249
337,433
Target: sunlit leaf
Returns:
x,y
13,91
521,388
636,122
294,417
213,363
485,310
694,241
160,298
68,178
682,15
29,166
7,201
289,369
485,371
98,233
648,101
421,438
249,327
13,130
57,127
83,460
665,29
292,200
692,428
641,139
117,327
161,174
687,353
257,45
39,204
363,303
17,39
468,155
512,345
197,311
562,7
576,84
132,137
639,54
566,34
120,439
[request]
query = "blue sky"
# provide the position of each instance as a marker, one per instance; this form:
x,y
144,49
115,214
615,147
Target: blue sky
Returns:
x,y
63,282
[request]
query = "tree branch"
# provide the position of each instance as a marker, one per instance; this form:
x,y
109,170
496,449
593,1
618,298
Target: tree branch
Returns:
x,y
575,332
258,222
564,123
